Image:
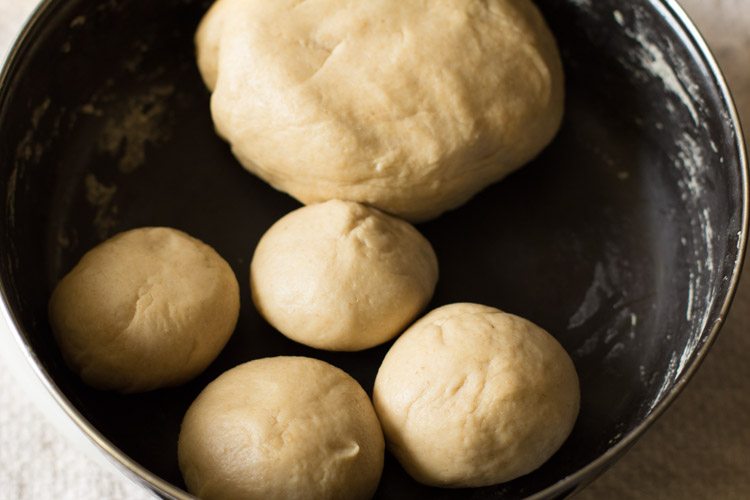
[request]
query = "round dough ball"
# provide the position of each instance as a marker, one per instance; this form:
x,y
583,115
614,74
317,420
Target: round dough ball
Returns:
x,y
342,276
148,308
408,106
471,396
282,428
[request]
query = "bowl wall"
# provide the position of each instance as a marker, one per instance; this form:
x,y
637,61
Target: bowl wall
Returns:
x,y
623,238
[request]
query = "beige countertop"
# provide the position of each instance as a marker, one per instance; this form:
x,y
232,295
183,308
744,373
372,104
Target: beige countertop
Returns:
x,y
699,449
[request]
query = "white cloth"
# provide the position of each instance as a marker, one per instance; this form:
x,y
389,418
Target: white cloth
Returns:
x,y
699,449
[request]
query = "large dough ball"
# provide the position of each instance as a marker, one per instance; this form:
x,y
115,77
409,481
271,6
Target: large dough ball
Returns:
x,y
472,396
342,276
282,428
408,106
148,308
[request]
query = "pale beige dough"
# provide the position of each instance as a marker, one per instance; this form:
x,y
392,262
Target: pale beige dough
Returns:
x,y
342,276
408,106
472,396
282,428
148,308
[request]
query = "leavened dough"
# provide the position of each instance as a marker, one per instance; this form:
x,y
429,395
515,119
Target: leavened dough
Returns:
x,y
148,308
282,428
408,106
342,276
471,396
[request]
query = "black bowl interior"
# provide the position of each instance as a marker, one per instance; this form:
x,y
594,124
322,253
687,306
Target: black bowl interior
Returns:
x,y
621,238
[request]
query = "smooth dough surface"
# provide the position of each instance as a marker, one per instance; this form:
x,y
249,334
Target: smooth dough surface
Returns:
x,y
148,308
282,428
471,396
342,276
409,106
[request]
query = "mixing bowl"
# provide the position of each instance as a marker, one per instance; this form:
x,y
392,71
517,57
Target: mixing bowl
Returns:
x,y
624,238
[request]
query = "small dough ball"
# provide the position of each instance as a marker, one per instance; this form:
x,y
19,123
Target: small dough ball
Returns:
x,y
408,106
471,396
342,276
282,428
148,308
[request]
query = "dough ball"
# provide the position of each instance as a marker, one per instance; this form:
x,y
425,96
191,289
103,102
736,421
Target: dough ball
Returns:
x,y
148,308
342,276
408,106
471,396
282,428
